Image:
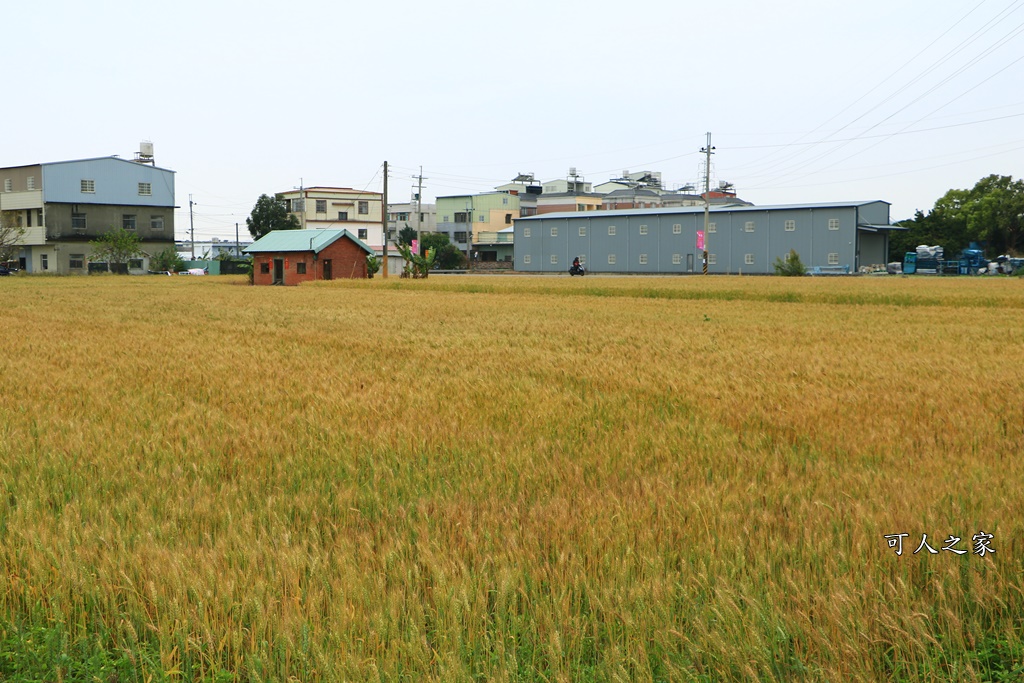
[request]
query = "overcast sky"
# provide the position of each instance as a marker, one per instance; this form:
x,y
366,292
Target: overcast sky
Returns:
x,y
806,100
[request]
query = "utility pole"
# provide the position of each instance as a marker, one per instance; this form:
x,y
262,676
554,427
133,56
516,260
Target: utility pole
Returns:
x,y
191,228
384,221
419,205
238,247
707,151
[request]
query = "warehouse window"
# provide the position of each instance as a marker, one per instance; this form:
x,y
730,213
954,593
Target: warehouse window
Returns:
x,y
30,183
8,185
677,229
676,259
526,233
712,259
583,259
611,259
643,229
712,227
554,231
790,226
748,259
833,258
554,259
643,259
145,189
526,258
88,186
833,223
748,226
611,229
583,231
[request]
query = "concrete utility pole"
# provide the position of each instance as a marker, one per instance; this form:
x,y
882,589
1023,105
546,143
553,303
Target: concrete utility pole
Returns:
x,y
707,151
419,204
191,228
384,222
238,248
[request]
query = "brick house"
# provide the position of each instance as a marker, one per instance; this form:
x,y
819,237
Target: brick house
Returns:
x,y
288,257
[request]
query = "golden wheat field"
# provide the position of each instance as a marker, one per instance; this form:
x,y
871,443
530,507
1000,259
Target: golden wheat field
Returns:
x,y
511,479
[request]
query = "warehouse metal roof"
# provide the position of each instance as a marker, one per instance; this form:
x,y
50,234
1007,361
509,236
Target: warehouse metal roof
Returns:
x,y
302,240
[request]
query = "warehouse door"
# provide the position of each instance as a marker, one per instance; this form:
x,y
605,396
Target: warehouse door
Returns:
x,y
689,263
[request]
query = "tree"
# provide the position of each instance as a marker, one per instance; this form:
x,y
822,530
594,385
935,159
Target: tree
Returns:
x,y
168,260
416,266
10,235
270,214
116,246
447,255
991,213
792,266
406,235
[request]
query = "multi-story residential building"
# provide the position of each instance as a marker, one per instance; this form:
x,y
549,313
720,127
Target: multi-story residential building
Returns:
x,y
66,204
358,211
463,217
420,218
212,249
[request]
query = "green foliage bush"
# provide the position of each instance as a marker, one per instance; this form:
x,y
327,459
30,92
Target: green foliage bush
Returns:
x,y
792,266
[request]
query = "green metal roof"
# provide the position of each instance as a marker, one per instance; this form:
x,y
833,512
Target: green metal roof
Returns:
x,y
302,240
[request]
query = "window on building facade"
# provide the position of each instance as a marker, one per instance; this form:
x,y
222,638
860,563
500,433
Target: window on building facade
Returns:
x,y
643,229
156,222
526,258
76,261
712,259
583,259
88,186
362,233
677,229
460,236
611,229
833,258
135,264
712,227
508,219
748,226
790,226
300,268
78,223
364,207
44,262
554,231
128,221
833,223
343,215
554,259
611,259
145,189
676,259
643,259
8,185
321,206
461,217
30,183
748,259
583,231
265,268
504,201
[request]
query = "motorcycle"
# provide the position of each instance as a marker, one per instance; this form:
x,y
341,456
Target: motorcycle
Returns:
x,y
577,269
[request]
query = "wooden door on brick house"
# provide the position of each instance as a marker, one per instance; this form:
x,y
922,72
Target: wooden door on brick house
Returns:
x,y
278,271
328,275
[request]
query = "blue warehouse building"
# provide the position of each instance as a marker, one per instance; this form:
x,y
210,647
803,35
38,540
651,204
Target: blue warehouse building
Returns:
x,y
835,237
